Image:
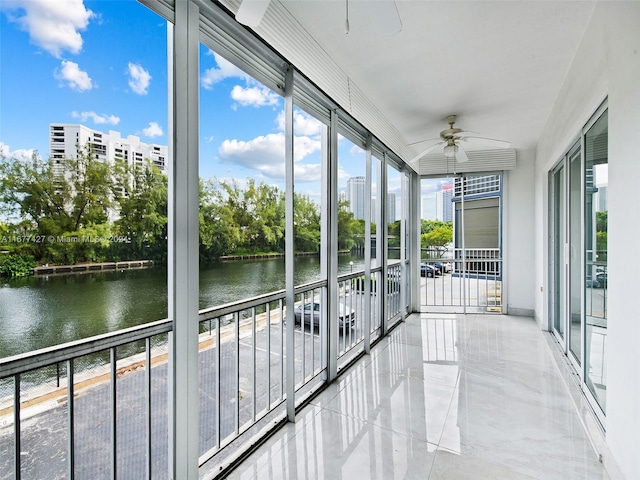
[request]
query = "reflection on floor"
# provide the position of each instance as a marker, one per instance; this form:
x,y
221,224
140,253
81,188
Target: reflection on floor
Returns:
x,y
443,397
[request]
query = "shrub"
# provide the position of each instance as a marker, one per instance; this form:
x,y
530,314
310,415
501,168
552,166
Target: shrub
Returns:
x,y
16,265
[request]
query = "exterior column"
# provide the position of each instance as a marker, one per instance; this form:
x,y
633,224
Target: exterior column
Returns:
x,y
183,236
289,244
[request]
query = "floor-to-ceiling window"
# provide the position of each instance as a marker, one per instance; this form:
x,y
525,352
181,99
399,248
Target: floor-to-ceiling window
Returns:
x,y
578,255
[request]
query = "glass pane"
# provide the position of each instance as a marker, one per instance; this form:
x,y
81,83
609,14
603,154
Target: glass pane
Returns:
x,y
559,192
82,181
351,205
596,213
575,256
394,209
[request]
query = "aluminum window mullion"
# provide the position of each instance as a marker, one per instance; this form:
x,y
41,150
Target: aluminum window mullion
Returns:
x,y
303,320
268,340
367,247
218,357
236,322
289,243
253,366
70,402
282,350
114,416
147,390
183,259
330,195
383,232
17,447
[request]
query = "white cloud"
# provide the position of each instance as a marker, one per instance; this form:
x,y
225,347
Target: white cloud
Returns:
x,y
139,78
308,172
356,150
20,154
75,78
97,119
254,96
153,130
303,123
225,69
266,153
53,25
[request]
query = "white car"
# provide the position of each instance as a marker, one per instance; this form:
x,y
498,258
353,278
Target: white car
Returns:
x,y
312,311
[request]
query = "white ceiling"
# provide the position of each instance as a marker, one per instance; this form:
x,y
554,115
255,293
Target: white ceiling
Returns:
x,y
498,65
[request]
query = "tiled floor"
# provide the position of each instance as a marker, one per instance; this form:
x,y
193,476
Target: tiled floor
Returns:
x,y
443,397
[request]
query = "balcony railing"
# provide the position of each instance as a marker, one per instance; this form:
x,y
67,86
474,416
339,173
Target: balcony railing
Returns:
x,y
472,280
101,404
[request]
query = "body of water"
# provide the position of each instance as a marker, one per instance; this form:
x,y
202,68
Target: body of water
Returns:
x,y
38,312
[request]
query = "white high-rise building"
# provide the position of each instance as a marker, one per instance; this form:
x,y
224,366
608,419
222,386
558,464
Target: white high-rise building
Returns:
x,y
355,195
65,139
601,199
391,208
429,210
444,206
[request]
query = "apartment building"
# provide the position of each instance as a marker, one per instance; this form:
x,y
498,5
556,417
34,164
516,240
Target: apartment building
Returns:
x,y
66,138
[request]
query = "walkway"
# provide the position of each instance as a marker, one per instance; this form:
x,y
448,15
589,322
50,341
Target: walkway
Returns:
x,y
444,397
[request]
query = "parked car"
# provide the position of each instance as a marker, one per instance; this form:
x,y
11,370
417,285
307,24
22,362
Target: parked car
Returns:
x,y
311,310
427,270
600,281
447,267
438,266
601,278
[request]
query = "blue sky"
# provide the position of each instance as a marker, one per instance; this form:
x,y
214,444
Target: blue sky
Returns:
x,y
103,64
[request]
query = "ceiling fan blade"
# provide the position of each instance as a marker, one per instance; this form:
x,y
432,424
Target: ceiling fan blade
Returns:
x,y
489,142
427,150
466,134
251,12
430,140
461,155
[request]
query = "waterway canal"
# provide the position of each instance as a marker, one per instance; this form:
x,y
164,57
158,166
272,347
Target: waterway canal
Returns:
x,y
38,312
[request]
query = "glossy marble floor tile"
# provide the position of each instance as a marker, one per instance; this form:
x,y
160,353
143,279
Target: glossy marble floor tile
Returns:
x,y
443,397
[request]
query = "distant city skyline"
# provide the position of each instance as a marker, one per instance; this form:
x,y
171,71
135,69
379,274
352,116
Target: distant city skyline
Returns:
x,y
436,197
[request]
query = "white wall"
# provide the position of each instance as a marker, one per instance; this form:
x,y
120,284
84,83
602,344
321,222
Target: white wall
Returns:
x,y
606,64
518,235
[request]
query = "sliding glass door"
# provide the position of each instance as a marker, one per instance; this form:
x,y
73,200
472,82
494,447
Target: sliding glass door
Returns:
x,y
578,255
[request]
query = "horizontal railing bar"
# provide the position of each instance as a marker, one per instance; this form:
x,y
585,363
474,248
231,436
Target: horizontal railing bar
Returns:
x,y
44,357
229,308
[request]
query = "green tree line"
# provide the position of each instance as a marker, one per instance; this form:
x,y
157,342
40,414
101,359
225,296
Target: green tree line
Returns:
x,y
66,211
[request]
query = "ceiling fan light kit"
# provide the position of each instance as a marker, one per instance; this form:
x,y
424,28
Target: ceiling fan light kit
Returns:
x,y
450,150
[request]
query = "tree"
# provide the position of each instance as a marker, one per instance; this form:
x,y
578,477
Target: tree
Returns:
x,y
346,226
57,198
34,191
219,232
91,187
140,192
393,230
307,224
436,234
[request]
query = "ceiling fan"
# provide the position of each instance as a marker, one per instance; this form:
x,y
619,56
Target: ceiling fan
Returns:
x,y
450,141
384,17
